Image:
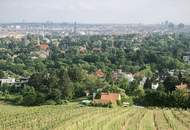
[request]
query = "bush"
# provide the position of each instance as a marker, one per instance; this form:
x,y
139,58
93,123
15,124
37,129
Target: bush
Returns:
x,y
119,102
29,96
50,102
40,99
59,102
29,100
127,99
18,100
177,98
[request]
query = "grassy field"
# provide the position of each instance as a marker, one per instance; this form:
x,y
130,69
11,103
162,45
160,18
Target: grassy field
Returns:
x,y
75,117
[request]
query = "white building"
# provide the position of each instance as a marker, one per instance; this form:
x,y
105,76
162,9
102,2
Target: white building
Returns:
x,y
155,86
118,74
186,59
142,82
130,77
7,81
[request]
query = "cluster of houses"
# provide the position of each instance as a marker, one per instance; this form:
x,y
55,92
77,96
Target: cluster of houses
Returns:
x,y
118,74
84,49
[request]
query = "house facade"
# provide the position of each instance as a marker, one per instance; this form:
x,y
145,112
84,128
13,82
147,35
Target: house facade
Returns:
x,y
106,98
7,81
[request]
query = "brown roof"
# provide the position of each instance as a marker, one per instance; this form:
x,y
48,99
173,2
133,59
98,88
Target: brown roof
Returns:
x,y
110,97
182,86
43,46
100,74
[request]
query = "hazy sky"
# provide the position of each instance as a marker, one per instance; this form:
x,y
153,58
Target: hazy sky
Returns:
x,y
95,11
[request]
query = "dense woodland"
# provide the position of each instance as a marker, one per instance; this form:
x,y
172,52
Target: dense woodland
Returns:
x,y
70,69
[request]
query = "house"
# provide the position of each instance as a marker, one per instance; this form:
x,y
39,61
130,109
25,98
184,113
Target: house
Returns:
x,y
155,86
142,82
120,74
82,50
43,46
183,87
99,73
96,50
21,81
106,98
130,77
7,81
44,50
87,93
186,59
24,80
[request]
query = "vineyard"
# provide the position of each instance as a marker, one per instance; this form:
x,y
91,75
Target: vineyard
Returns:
x,y
75,117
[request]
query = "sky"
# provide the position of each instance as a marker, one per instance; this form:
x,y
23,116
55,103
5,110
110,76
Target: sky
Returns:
x,y
95,11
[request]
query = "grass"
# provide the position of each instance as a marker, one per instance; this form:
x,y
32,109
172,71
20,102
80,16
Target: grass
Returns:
x,y
75,117
147,122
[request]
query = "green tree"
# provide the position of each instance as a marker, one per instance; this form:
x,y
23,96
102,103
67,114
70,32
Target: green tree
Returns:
x,y
170,83
76,73
2,74
66,85
148,84
29,95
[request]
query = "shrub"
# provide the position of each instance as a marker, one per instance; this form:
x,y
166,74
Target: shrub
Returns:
x,y
18,100
50,102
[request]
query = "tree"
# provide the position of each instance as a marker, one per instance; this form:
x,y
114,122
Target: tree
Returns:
x,y
124,83
38,81
161,88
76,73
170,83
187,79
148,84
53,87
180,77
66,85
2,74
29,95
130,90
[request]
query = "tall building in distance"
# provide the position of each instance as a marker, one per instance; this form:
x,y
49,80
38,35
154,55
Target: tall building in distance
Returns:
x,y
75,29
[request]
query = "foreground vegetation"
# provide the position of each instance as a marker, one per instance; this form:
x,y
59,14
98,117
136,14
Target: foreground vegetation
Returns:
x,y
76,117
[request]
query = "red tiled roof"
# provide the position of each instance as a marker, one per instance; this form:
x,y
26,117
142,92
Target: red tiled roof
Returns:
x,y
43,46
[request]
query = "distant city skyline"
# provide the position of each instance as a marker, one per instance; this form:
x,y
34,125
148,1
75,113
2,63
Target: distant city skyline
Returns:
x,y
95,11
